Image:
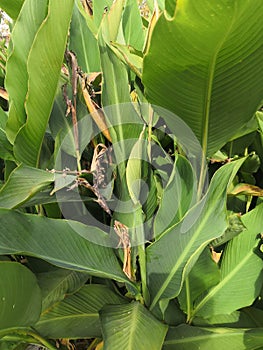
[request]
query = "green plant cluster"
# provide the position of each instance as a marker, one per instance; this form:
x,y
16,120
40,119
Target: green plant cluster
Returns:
x,y
185,271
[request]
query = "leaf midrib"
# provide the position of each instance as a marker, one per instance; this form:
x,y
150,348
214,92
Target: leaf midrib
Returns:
x,y
132,334
207,336
181,258
208,95
69,317
223,282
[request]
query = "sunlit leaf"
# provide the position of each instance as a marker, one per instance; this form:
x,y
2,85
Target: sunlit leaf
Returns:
x,y
23,36
58,242
202,277
133,30
177,197
204,65
12,8
129,327
83,43
190,338
43,65
77,316
240,263
173,255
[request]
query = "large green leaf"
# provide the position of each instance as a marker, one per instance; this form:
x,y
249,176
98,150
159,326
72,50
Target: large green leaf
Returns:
x,y
133,30
55,284
23,36
129,327
23,183
12,8
77,316
113,70
43,65
20,296
83,43
58,242
240,263
191,338
249,317
205,66
172,256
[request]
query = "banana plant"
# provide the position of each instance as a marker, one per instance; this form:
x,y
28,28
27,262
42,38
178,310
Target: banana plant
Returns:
x,y
131,188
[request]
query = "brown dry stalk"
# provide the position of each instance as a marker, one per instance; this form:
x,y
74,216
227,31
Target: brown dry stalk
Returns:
x,y
95,111
123,233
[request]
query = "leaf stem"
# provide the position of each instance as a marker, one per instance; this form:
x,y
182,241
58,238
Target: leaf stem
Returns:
x,y
188,299
142,260
201,178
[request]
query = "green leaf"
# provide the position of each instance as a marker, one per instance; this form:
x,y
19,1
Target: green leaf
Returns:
x,y
55,284
44,197
191,338
247,128
100,8
249,317
6,149
83,43
20,296
133,29
58,242
44,65
113,70
178,196
136,170
3,119
204,275
23,36
258,147
151,4
204,65
23,183
235,227
240,263
117,96
62,129
77,316
172,256
170,6
128,57
12,8
129,327
13,345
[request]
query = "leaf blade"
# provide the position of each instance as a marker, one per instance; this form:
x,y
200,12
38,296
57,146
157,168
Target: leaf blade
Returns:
x,y
137,323
210,73
44,65
20,301
239,262
77,316
179,247
61,245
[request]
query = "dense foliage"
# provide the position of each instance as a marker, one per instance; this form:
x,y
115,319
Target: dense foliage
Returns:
x,y
131,146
